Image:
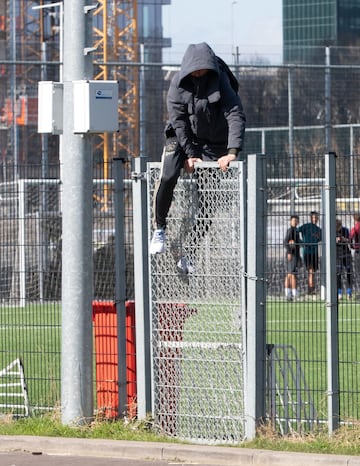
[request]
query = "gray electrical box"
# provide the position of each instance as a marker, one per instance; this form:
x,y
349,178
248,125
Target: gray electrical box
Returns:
x,y
96,106
50,107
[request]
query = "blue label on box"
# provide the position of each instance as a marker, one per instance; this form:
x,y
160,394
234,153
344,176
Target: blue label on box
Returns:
x,y
103,94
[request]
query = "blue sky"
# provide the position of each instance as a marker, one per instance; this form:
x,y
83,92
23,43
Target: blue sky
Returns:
x,y
254,26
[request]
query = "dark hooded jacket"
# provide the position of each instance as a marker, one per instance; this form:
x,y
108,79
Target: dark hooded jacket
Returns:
x,y
205,110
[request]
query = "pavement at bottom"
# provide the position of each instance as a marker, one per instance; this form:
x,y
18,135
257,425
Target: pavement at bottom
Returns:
x,y
29,459
54,451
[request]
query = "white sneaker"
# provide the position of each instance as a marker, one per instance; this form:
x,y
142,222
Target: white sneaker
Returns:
x,y
157,245
185,266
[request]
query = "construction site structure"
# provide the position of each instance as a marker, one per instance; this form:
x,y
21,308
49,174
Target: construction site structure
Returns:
x,y
30,36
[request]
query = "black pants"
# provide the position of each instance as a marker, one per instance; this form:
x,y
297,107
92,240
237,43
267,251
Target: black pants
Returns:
x,y
172,162
344,265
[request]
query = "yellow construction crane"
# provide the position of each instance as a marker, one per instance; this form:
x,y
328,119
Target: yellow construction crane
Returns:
x,y
116,39
115,33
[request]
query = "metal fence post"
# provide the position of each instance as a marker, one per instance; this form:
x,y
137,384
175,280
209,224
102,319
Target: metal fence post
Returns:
x,y
327,99
331,293
22,242
243,261
291,132
256,259
141,278
120,287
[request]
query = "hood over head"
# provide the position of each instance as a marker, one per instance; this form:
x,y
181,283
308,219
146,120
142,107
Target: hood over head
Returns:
x,y
198,57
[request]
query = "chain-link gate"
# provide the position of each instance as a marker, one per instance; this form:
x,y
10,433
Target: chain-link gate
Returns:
x,y
197,332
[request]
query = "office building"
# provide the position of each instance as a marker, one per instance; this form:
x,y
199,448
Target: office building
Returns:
x,y
310,25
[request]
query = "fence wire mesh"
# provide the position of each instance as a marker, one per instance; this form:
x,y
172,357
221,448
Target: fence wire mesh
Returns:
x,y
30,283
197,332
297,332
196,320
287,120
278,100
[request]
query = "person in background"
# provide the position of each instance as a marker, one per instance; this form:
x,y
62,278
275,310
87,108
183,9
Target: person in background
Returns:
x,y
355,246
293,259
206,123
343,259
311,235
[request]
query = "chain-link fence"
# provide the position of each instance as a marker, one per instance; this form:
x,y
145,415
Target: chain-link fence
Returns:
x,y
295,114
187,311
197,321
197,331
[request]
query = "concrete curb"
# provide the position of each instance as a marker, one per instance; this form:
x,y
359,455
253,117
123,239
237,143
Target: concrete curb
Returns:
x,y
216,455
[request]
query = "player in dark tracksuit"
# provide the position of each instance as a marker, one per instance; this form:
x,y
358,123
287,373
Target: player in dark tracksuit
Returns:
x,y
311,235
292,246
206,122
343,259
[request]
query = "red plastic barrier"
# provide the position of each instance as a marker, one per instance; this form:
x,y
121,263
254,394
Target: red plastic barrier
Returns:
x,y
106,356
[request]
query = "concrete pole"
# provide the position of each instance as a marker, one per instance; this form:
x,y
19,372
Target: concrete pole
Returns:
x,y
77,264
